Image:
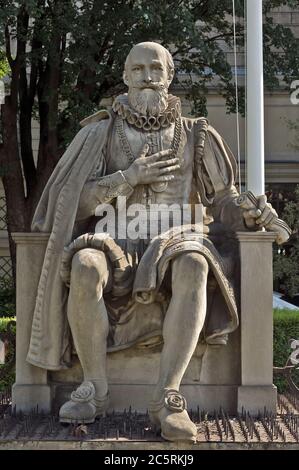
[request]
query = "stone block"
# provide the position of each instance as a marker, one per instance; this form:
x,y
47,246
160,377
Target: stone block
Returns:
x,y
257,398
256,308
26,397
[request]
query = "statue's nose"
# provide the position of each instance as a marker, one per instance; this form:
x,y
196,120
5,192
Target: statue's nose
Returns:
x,y
147,77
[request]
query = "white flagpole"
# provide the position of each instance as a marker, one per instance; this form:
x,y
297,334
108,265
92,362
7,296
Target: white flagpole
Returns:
x,y
255,98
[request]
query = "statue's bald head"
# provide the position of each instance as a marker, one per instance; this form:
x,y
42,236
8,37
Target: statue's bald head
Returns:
x,y
148,73
146,47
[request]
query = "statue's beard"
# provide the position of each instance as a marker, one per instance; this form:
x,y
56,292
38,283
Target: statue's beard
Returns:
x,y
148,101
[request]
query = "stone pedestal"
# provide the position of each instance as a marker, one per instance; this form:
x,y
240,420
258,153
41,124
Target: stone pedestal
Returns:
x,y
31,388
256,391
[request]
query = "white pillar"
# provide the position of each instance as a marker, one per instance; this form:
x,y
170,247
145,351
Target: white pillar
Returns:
x,y
255,98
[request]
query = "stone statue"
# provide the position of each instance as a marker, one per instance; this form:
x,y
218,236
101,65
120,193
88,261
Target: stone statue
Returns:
x,y
112,292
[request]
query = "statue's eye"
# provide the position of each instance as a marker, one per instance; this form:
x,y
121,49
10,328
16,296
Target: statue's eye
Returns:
x,y
136,68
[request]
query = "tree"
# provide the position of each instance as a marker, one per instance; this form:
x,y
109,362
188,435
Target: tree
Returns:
x,y
69,54
286,261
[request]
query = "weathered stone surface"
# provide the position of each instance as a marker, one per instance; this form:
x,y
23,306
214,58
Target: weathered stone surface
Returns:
x,y
29,397
147,446
31,387
257,398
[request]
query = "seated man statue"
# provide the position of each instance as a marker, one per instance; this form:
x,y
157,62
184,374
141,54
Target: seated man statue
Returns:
x,y
111,291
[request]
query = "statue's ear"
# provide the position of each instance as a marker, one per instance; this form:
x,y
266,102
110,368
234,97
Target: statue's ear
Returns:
x,y
125,78
170,76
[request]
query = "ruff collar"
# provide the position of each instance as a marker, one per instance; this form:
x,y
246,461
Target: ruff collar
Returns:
x,y
165,119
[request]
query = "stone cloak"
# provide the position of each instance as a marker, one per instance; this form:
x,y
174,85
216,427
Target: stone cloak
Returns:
x,y
56,214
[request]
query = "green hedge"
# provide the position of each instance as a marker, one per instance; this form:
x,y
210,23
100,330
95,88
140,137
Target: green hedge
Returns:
x,y
4,321
7,298
7,378
286,327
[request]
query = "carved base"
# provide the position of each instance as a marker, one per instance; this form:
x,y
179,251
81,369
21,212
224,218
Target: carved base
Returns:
x,y
122,396
255,398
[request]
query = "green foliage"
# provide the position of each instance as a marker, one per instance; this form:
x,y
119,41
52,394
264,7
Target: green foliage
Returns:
x,y
8,380
286,327
7,373
4,65
284,63
7,298
88,42
4,321
286,262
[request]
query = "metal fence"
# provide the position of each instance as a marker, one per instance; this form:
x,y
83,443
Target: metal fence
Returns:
x,y
7,301
5,268
3,221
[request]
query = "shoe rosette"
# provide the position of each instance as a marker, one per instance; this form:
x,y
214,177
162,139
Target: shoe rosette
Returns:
x,y
174,401
84,393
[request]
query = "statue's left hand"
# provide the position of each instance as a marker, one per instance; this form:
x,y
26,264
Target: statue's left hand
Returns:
x,y
257,212
263,214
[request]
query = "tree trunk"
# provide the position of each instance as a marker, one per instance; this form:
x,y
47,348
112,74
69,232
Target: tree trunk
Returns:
x,y
17,217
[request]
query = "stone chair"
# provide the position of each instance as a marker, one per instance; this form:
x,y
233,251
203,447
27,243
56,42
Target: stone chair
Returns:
x,y
235,377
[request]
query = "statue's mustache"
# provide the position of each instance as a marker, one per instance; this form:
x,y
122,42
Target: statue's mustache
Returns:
x,y
152,85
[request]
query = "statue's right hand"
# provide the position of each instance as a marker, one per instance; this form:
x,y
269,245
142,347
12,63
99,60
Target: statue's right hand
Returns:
x,y
148,169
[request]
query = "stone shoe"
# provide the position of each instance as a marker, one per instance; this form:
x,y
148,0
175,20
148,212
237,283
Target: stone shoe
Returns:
x,y
170,415
83,407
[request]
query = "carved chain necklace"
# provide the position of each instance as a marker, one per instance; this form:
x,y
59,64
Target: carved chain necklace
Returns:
x,y
126,148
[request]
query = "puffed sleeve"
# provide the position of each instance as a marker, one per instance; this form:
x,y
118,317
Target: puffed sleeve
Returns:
x,y
101,188
214,173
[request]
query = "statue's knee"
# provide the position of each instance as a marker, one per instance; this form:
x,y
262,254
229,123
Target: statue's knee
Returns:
x,y
190,265
88,272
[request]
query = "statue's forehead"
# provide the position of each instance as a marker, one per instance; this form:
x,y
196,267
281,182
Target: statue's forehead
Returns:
x,y
146,55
